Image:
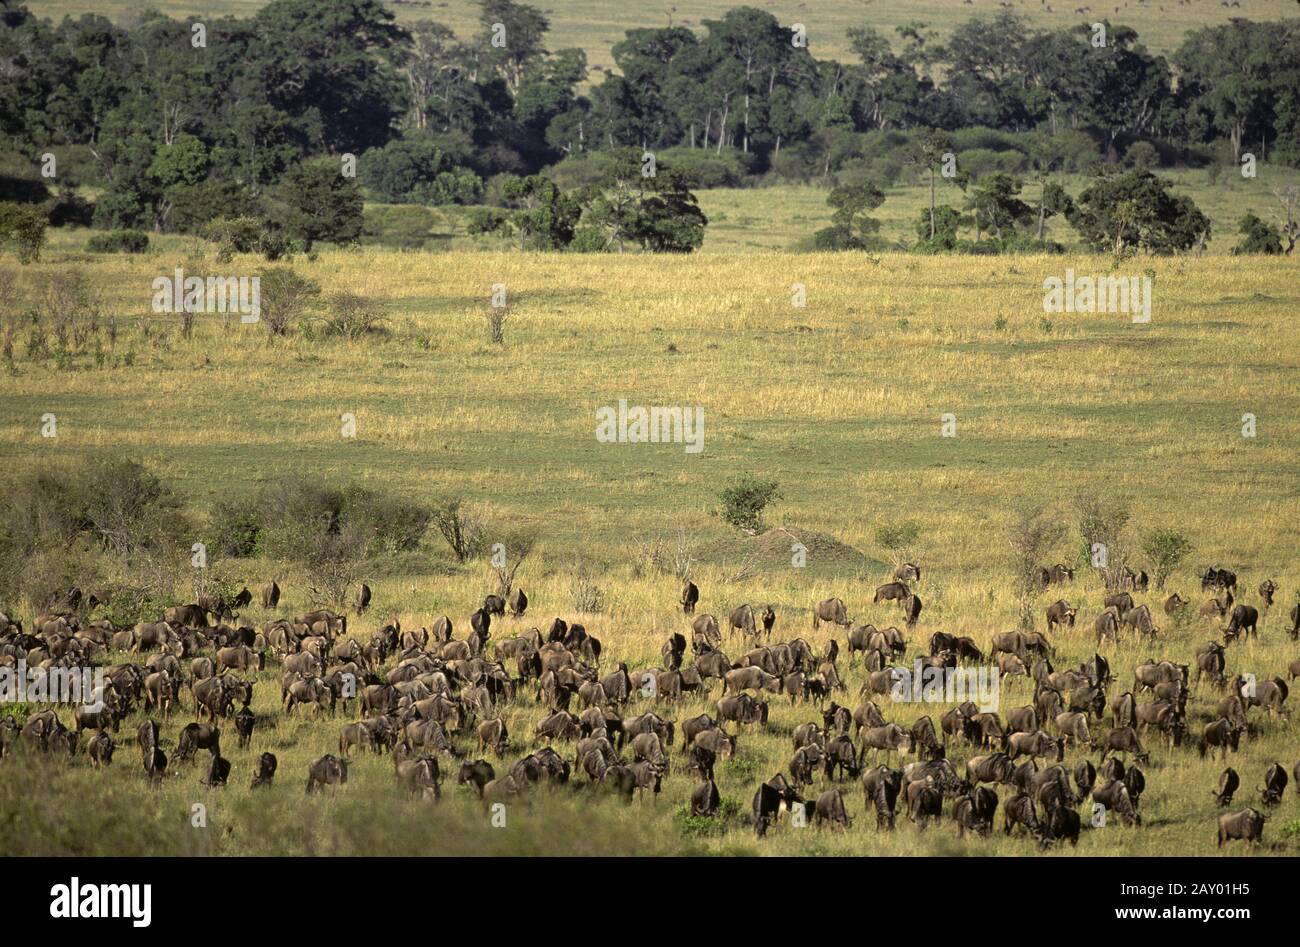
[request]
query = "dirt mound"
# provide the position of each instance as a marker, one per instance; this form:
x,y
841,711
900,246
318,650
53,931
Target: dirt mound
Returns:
x,y
774,551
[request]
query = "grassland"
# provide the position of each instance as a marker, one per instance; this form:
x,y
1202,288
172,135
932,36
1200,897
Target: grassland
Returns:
x,y
839,401
596,25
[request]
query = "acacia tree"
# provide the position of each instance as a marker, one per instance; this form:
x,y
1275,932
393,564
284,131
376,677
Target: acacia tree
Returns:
x,y
1033,532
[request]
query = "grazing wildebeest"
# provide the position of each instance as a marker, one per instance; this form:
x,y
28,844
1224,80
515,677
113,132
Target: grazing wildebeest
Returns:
x,y
770,800
218,772
830,808
1224,734
1114,795
1123,740
1055,575
1274,785
1120,601
891,592
1267,589
705,799
1107,626
1247,825
842,755
705,635
1229,781
1139,619
494,605
890,738
690,596
1174,603
518,602
1244,619
327,770
198,736
270,595
1060,613
742,618
881,786
830,610
100,749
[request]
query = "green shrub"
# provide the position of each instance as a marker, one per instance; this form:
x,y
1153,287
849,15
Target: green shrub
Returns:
x,y
23,226
744,500
118,241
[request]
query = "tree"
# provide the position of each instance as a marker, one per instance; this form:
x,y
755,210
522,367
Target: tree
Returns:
x,y
1033,532
524,28
314,201
461,528
1258,236
1165,549
1137,210
1102,521
851,228
744,500
995,202
544,216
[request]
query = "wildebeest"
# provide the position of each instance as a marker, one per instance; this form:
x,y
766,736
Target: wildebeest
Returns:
x,y
218,772
770,800
1215,578
1274,785
1174,604
690,596
1123,740
265,775
1060,613
270,595
1243,621
908,572
518,602
830,808
327,770
1223,734
705,636
1247,825
742,618
705,799
198,736
1229,781
830,610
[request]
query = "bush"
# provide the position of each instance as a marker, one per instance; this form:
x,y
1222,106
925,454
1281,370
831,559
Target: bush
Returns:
x,y
352,316
118,241
23,225
285,297
1257,236
234,529
744,500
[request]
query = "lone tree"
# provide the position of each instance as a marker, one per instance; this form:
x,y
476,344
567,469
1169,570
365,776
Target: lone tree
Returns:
x,y
514,550
1165,549
1033,532
1102,522
744,500
851,228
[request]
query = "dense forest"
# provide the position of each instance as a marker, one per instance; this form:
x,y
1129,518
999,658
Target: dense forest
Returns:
x,y
243,125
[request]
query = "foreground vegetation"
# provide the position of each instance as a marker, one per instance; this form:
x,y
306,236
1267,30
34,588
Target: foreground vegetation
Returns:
x,y
840,402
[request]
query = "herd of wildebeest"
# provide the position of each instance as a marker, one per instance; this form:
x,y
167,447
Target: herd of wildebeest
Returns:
x,y
439,704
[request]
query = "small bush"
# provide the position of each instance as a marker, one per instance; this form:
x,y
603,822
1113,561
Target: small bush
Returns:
x,y
118,241
744,500
23,225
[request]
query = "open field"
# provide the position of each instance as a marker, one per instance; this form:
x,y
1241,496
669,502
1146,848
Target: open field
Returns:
x,y
839,401
596,25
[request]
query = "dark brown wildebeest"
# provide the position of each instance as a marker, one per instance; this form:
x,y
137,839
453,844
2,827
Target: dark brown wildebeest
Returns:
x,y
218,772
1062,823
805,762
363,599
1055,575
1244,619
750,678
1174,603
266,766
1267,589
770,800
478,773
1107,626
420,777
908,572
924,802
1274,785
270,595
1114,795
1295,622
994,768
1019,810
830,610
245,721
518,602
1222,734
881,786
494,605
1085,777
690,596
769,620
1247,825
842,756
241,658
1035,745
742,618
912,609
830,808
1211,660
1229,781
198,736
1060,613
705,799
742,709
1214,578
1123,740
